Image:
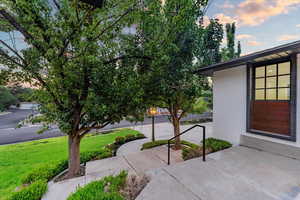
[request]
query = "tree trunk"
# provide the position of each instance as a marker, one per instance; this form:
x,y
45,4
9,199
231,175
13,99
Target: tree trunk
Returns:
x,y
74,156
176,126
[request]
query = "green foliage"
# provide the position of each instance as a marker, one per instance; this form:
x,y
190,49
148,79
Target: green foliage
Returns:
x,y
120,140
229,52
35,191
105,189
129,138
140,136
149,145
79,58
22,94
6,99
217,144
200,106
190,153
209,44
28,158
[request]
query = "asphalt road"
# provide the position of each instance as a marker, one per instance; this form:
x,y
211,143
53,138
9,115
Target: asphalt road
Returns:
x,y
9,134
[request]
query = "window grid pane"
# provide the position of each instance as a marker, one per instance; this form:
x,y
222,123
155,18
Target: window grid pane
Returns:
x,y
272,82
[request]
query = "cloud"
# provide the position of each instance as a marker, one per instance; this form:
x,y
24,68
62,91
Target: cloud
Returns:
x,y
256,12
224,19
254,43
298,25
244,36
288,37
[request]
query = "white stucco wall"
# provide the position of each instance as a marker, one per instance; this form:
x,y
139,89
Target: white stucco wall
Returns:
x,y
230,100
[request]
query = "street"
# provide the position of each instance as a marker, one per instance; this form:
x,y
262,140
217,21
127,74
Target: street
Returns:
x,y
9,134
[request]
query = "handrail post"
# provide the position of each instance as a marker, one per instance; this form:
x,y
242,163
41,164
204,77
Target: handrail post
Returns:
x,y
203,147
168,152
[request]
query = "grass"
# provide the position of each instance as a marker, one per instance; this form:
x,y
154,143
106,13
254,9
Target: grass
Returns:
x,y
16,160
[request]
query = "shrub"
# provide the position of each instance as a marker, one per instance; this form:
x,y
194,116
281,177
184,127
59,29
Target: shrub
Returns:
x,y
6,99
149,145
189,153
105,189
48,171
129,137
44,172
216,144
35,191
140,136
120,140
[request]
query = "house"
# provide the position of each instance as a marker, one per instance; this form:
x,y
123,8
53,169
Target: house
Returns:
x,y
256,99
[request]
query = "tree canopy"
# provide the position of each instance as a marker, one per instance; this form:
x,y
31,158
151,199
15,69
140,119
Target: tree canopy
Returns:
x,y
80,59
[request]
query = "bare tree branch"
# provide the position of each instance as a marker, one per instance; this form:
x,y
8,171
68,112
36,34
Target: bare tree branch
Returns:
x,y
11,49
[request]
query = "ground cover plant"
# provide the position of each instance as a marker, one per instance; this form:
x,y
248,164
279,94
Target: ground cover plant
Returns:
x,y
212,145
119,187
191,150
20,163
104,189
149,145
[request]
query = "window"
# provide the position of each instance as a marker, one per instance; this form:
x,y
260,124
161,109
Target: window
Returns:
x,y
272,82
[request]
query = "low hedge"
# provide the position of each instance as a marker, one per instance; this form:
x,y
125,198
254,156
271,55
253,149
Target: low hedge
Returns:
x,y
119,141
34,191
211,145
156,143
217,144
38,177
105,189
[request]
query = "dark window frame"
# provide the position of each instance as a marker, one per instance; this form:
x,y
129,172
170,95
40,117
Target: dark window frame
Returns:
x,y
293,96
265,77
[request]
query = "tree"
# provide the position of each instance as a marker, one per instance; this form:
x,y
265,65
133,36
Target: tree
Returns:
x,y
209,43
173,29
229,52
79,58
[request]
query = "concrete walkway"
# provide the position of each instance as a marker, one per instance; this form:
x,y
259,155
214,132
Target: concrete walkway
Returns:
x,y
136,163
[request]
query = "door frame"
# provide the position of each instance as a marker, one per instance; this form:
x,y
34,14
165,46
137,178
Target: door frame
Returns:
x,y
293,98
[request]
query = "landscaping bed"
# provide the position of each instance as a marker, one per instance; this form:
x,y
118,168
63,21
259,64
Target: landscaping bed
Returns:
x,y
120,187
30,165
191,150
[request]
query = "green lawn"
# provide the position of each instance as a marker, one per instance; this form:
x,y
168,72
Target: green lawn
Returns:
x,y
19,159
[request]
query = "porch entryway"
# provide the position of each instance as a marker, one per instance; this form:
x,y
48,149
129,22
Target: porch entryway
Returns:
x,y
238,173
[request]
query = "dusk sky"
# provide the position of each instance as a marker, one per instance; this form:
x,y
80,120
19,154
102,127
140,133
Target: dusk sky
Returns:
x,y
261,24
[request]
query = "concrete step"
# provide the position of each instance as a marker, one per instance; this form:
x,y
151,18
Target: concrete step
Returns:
x,y
272,147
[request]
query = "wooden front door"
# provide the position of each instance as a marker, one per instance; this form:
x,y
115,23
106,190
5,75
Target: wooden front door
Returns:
x,y
270,103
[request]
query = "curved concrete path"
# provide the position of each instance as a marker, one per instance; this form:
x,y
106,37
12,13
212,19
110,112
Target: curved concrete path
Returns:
x,y
163,131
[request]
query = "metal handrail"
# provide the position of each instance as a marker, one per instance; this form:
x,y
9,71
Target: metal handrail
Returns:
x,y
203,141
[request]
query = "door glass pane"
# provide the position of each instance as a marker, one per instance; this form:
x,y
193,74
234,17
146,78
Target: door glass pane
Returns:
x,y
260,83
271,94
284,68
284,81
271,82
259,94
284,94
271,70
260,72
